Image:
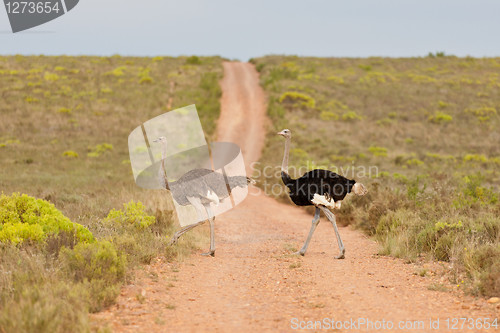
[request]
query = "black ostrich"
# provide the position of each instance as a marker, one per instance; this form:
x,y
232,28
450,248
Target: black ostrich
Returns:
x,y
322,188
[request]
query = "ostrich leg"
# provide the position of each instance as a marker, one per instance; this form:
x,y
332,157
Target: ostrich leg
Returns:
x,y
211,219
196,203
331,217
315,223
179,233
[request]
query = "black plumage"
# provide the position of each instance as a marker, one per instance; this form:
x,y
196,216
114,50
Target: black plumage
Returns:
x,y
318,181
322,188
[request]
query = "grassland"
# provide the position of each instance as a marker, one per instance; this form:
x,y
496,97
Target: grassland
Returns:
x,y
63,138
421,133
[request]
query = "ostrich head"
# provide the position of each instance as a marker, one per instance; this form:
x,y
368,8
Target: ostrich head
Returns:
x,y
359,189
163,146
161,139
285,133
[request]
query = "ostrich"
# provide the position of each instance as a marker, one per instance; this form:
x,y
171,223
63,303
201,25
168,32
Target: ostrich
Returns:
x,y
199,188
322,188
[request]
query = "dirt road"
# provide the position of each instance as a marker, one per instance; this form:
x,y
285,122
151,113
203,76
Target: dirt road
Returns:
x,y
254,284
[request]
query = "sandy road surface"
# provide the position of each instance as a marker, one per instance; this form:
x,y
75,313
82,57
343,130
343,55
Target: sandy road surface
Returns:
x,y
254,284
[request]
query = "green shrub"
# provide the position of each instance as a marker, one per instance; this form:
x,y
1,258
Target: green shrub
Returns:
x,y
377,78
441,157
99,267
400,177
100,149
299,154
397,232
140,248
295,98
117,72
336,106
366,68
336,79
106,90
284,71
381,174
46,308
146,79
209,82
414,187
351,116
494,160
414,162
193,60
51,76
26,219
210,94
442,105
385,122
439,54
64,110
378,151
328,115
483,113
423,79
473,190
34,298
70,153
309,76
475,158
440,118
485,262
30,99
134,215
405,234
9,142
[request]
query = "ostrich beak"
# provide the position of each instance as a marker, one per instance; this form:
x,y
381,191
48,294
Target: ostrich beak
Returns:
x,y
157,140
281,133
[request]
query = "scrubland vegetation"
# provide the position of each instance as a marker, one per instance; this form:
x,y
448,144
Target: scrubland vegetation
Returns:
x,y
72,225
422,133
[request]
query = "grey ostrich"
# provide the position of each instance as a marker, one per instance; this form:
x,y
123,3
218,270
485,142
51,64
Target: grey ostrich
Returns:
x,y
199,188
322,188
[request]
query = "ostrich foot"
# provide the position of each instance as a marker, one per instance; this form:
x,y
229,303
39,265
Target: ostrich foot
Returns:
x,y
209,253
299,253
341,255
173,241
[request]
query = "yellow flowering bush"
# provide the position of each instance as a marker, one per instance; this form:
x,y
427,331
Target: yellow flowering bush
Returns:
x,y
27,219
133,214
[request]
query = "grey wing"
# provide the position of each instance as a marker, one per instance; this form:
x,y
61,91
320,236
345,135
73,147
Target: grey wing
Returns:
x,y
215,181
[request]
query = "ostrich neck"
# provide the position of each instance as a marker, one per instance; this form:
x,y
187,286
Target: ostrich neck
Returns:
x,y
164,152
163,170
284,165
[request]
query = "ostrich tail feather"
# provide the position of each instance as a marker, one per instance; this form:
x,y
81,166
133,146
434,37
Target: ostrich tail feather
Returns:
x,y
251,181
239,181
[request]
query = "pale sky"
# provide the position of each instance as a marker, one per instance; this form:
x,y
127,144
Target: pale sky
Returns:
x,y
244,29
